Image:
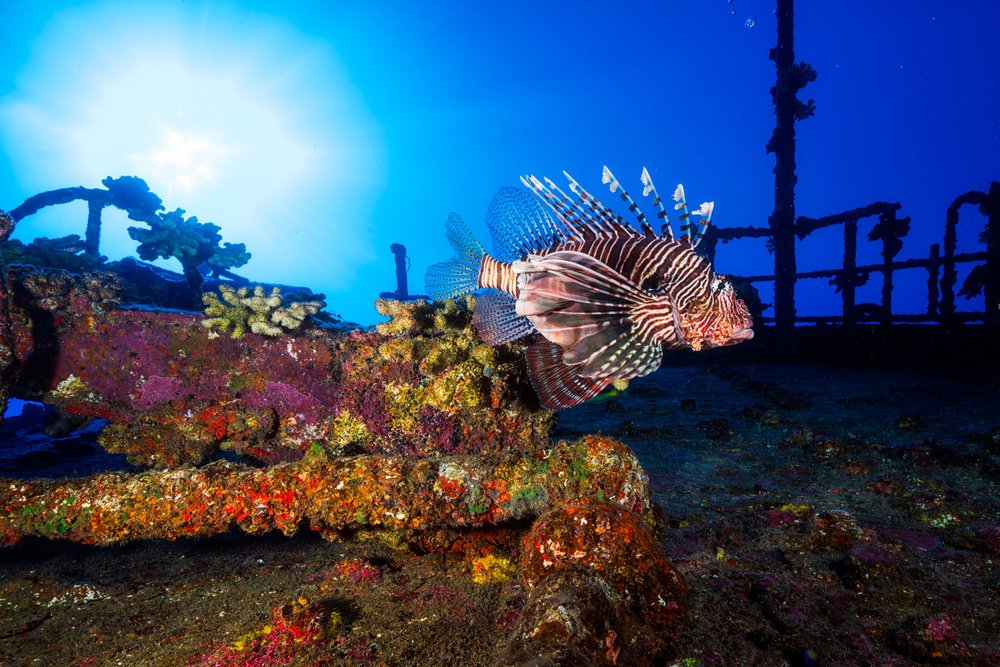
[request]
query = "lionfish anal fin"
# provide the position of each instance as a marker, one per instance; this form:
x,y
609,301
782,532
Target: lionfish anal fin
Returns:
x,y
558,386
496,319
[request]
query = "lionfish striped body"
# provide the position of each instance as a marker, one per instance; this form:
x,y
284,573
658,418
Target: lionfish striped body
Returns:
x,y
607,298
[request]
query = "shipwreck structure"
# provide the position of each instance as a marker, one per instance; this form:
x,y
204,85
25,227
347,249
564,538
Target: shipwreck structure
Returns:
x,y
889,229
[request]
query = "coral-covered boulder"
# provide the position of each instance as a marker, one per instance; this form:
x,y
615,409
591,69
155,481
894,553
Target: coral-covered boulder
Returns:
x,y
638,597
177,392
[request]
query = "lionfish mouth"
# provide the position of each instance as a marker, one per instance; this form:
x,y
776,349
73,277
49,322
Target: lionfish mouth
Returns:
x,y
740,335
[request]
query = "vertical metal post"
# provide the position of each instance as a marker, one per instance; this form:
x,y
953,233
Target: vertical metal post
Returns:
x,y
889,245
933,268
991,288
399,250
850,270
791,77
92,242
782,144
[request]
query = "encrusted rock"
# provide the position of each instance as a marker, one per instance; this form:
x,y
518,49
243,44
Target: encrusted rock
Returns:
x,y
643,598
425,385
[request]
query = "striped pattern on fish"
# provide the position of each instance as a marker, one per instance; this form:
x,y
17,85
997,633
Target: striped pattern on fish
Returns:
x,y
607,298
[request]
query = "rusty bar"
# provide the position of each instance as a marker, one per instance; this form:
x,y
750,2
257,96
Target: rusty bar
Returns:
x,y
324,493
949,275
933,269
869,268
850,273
805,225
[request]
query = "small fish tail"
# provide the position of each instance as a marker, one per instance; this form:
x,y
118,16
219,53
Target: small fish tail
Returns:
x,y
459,275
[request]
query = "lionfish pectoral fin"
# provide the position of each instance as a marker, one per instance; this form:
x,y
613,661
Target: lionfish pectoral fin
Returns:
x,y
568,275
569,296
623,356
497,321
558,386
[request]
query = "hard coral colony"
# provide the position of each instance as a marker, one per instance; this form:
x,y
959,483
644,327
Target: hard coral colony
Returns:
x,y
264,314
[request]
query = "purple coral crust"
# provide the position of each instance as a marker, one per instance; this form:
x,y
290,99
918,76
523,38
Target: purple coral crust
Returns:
x,y
157,390
154,370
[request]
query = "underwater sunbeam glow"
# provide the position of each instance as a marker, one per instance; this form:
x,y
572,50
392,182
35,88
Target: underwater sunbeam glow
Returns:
x,y
233,116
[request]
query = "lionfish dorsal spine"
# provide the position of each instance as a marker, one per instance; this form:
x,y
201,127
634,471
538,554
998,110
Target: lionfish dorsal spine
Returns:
x,y
680,204
648,188
575,221
606,216
691,230
705,212
564,217
576,218
609,179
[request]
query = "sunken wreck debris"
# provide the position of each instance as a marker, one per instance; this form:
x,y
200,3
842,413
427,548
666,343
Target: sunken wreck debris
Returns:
x,y
194,244
399,497
788,109
601,591
416,436
176,393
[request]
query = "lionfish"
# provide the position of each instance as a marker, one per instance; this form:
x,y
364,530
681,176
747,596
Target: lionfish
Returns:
x,y
607,298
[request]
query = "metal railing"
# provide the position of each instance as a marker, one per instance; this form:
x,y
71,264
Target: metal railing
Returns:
x,y
941,268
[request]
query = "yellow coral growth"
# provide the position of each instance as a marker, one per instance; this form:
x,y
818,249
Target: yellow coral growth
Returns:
x,y
797,510
264,314
348,429
461,387
398,349
492,569
423,318
404,403
74,388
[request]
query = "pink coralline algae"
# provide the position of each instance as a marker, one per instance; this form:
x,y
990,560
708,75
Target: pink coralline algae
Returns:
x,y
940,630
157,390
420,385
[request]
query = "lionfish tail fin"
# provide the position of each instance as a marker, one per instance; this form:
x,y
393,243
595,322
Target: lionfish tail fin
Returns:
x,y
460,275
496,320
558,386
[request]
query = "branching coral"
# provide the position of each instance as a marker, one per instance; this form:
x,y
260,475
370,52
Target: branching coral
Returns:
x,y
264,314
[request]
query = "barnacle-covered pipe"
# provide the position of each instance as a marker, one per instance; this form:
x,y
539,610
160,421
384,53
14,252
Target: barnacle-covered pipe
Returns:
x,y
327,494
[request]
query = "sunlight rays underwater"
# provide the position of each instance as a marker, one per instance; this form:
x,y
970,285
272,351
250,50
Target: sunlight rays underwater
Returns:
x,y
235,117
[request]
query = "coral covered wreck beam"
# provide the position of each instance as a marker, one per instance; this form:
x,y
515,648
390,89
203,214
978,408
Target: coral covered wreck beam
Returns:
x,y
328,494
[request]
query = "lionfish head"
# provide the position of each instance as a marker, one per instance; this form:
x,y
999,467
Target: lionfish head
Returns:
x,y
722,318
